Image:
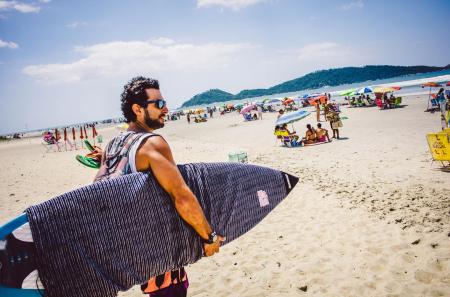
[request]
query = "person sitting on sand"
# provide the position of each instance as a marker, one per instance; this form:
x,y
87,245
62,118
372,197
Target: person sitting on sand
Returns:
x,y
322,134
311,135
292,135
280,113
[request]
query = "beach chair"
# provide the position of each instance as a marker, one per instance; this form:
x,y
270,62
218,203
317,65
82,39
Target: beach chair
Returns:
x,y
286,139
439,145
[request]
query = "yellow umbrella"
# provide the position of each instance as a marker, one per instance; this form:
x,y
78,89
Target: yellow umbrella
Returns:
x,y
384,90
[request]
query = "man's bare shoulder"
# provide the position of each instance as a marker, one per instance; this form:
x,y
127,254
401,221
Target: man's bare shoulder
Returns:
x,y
154,143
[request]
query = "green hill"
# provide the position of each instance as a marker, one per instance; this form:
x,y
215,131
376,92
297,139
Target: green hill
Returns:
x,y
213,95
315,80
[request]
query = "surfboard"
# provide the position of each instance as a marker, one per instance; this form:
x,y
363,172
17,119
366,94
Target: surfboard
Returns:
x,y
113,234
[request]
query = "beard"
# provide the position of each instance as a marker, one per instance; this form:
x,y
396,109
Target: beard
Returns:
x,y
152,123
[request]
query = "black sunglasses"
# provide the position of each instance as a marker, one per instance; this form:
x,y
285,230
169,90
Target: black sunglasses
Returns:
x,y
159,103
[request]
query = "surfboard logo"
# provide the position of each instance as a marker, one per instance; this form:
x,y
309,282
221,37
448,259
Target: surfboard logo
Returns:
x,y
263,198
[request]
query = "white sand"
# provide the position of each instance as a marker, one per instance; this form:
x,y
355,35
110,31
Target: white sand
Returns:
x,y
347,228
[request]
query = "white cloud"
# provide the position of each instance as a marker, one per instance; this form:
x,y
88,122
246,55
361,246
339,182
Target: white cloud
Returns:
x,y
76,25
18,6
8,44
354,4
325,55
232,4
45,1
163,41
128,58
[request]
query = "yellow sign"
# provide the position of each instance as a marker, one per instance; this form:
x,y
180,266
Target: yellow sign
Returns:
x,y
439,146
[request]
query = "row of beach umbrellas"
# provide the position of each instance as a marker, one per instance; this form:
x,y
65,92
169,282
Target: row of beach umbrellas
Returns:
x,y
367,90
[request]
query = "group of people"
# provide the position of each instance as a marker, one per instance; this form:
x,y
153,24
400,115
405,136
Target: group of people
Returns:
x,y
360,101
312,135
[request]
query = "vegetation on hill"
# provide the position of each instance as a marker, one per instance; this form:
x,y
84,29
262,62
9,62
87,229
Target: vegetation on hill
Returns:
x,y
315,80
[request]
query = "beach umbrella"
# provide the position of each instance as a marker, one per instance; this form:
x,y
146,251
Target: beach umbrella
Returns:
x,y
65,139
94,133
349,92
288,100
291,117
384,89
365,90
430,84
396,88
273,101
248,108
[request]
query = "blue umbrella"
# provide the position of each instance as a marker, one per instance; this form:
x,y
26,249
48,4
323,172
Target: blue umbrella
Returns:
x,y
365,90
292,117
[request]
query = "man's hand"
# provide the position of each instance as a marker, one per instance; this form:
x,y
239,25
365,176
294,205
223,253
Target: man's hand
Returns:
x,y
96,154
211,249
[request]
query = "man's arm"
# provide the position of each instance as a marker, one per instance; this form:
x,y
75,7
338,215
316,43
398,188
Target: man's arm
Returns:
x,y
155,154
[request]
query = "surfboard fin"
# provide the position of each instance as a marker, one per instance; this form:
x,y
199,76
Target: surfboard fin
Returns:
x,y
289,181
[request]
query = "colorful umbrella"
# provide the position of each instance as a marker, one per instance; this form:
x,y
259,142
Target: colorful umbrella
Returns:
x,y
384,89
349,92
248,108
431,84
292,117
288,101
365,90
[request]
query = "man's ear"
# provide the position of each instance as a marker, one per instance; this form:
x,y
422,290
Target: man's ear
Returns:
x,y
136,108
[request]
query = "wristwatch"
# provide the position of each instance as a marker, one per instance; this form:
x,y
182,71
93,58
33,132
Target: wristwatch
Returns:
x,y
212,238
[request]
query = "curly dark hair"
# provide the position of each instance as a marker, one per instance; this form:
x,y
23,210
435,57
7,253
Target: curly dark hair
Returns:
x,y
134,93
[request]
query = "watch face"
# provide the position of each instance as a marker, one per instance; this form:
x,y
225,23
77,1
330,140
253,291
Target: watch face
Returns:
x,y
214,238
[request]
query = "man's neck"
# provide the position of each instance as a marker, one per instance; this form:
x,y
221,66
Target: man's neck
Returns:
x,y
139,128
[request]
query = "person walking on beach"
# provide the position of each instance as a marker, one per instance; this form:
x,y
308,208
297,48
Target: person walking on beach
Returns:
x,y
260,110
188,117
318,110
335,123
140,149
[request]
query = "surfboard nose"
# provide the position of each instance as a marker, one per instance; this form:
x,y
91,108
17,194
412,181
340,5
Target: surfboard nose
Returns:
x,y
289,181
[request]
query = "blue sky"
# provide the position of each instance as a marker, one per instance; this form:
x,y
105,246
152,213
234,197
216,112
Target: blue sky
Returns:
x,y
64,62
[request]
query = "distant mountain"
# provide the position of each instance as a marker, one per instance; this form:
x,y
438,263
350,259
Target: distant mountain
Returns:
x,y
213,95
315,80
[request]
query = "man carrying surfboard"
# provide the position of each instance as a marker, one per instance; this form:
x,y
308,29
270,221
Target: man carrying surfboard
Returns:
x,y
139,149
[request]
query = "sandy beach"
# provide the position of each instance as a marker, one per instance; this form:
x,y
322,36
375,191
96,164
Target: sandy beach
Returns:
x,y
369,217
